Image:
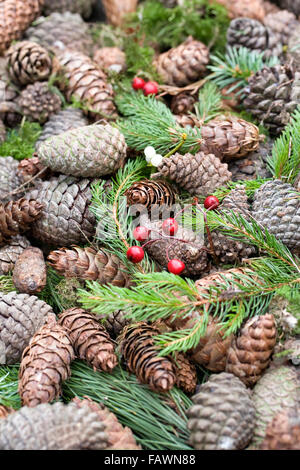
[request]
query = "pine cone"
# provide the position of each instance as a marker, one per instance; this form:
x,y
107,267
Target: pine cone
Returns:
x,y
182,103
82,7
110,58
141,357
21,315
223,415
186,375
28,62
5,411
119,438
93,151
254,165
293,52
10,112
90,264
53,427
11,252
244,8
290,5
116,10
283,433
151,194
89,338
183,64
38,103
30,167
30,272
45,364
283,23
115,322
9,180
187,120
198,174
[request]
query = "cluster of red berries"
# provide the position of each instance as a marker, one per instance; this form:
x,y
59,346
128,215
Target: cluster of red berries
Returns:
x,y
149,88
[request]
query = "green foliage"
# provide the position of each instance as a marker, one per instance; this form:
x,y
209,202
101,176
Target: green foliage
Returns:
x,y
209,104
139,59
250,187
19,142
6,284
9,395
105,35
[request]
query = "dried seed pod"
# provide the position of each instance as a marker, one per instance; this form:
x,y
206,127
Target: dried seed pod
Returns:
x,y
5,411
141,357
186,375
89,338
90,264
11,252
283,433
151,194
30,167
116,10
30,272
45,364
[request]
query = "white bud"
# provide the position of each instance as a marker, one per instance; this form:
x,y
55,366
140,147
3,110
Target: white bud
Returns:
x,y
149,152
156,160
115,68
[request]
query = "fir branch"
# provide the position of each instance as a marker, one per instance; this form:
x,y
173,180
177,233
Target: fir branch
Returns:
x,y
9,380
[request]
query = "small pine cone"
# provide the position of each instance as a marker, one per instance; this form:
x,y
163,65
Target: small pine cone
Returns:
x,y
30,167
116,10
186,375
141,357
151,194
28,62
17,216
244,8
90,264
21,315
229,137
45,364
89,338
119,437
182,103
30,272
11,252
38,103
283,433
198,174
88,151
110,59
282,23
9,179
250,351
2,131
5,411
222,416
115,322
82,7
183,64
53,427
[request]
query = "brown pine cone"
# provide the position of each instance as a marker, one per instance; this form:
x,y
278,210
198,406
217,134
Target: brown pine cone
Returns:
x,y
186,375
30,167
90,264
151,194
115,322
38,103
141,357
116,10
5,411
110,59
251,349
283,433
10,253
30,272
182,103
89,338
45,364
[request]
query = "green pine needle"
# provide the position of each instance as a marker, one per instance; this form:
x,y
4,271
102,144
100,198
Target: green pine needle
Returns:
x,y
209,104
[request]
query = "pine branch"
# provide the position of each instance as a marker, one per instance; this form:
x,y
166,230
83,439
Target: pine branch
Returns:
x,y
209,104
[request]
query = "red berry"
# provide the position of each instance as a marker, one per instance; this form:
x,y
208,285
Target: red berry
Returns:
x,y
211,202
175,266
138,83
135,254
170,226
141,234
151,88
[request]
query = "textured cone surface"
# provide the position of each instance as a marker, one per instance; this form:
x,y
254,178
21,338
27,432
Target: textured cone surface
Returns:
x,y
61,31
86,82
10,253
182,103
110,58
28,62
276,207
254,165
30,167
53,427
45,364
60,122
277,390
282,23
90,264
65,218
272,95
223,415
151,193
21,315
9,180
38,103
119,437
93,151
5,411
2,131
90,340
283,433
10,112
82,7
245,8
187,120
115,322
293,47
141,357
183,64
116,10
246,32
251,349
30,272
198,174
15,17
229,137
186,375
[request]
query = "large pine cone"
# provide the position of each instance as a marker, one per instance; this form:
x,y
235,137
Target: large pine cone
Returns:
x,y
283,433
151,194
83,7
183,64
116,10
53,427
141,357
244,8
45,364
11,252
90,340
21,315
283,23
38,103
65,218
223,415
9,180
90,264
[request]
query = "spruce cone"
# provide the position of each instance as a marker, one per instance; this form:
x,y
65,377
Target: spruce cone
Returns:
x,y
30,272
223,415
28,62
93,151
186,375
53,427
82,7
5,411
11,252
116,10
16,217
21,315
86,82
182,103
198,174
283,23
45,364
183,64
141,357
115,322
9,180
250,351
89,264
30,167
151,194
119,438
38,103
283,433
89,338
244,8
110,58
65,218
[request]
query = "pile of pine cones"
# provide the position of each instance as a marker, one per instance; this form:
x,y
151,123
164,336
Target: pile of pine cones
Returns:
x,y
250,400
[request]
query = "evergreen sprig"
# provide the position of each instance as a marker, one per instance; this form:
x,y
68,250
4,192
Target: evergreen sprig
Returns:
x,y
209,104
